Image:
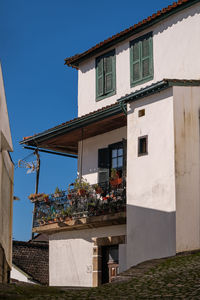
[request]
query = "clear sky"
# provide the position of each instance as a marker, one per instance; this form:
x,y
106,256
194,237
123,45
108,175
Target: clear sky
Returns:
x,y
35,37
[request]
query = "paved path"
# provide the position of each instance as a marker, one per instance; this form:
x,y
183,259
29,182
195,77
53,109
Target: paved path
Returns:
x,y
173,278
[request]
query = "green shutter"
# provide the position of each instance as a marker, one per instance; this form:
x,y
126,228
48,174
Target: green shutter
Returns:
x,y
108,74
141,59
124,158
145,57
103,165
105,75
99,77
136,69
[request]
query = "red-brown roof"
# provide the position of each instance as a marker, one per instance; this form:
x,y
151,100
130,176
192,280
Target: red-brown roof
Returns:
x,y
73,61
72,120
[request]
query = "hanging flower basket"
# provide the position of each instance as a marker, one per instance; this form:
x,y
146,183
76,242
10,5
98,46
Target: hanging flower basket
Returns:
x,y
36,197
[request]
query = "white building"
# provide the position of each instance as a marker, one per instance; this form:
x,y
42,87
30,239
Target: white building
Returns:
x,y
6,188
131,118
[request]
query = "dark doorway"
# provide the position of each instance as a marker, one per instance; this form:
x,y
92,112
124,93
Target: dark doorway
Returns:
x,y
110,262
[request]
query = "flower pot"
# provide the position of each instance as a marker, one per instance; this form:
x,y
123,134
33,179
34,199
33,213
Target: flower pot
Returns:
x,y
69,196
82,192
99,190
116,181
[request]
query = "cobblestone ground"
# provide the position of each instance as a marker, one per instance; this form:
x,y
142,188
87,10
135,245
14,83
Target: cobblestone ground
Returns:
x,y
173,278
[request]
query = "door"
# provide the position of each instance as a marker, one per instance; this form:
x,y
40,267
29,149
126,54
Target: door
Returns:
x,y
110,263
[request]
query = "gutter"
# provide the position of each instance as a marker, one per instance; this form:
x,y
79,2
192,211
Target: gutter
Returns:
x,y
139,27
74,124
149,90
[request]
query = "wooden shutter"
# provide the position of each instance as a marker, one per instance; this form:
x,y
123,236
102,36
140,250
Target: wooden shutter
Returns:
x,y
124,158
99,77
141,59
108,73
136,68
146,57
103,165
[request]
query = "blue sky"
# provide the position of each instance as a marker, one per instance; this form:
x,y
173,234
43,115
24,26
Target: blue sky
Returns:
x,y
35,37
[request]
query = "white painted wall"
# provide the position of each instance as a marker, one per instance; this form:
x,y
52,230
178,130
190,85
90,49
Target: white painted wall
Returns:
x,y
71,253
151,180
90,152
176,47
19,275
6,178
186,118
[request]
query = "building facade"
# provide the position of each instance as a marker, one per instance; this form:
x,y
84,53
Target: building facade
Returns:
x,y
6,188
138,118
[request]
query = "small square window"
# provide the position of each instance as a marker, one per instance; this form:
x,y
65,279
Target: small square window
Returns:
x,y
141,113
143,145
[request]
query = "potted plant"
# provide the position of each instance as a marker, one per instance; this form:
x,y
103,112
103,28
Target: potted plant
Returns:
x,y
67,213
46,197
81,186
115,180
58,193
36,197
98,189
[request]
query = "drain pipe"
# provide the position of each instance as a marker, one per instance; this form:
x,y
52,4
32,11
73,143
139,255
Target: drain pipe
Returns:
x,y
123,107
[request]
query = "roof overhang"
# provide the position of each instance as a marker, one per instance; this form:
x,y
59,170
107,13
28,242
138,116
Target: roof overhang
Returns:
x,y
160,15
64,138
158,87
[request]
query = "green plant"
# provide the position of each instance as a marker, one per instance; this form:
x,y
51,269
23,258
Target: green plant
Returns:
x,y
57,190
81,183
67,212
113,174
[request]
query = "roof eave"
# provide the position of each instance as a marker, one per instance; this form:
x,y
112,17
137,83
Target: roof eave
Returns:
x,y
75,60
76,124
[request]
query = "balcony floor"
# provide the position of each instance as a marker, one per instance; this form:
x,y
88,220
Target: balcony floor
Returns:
x,y
83,223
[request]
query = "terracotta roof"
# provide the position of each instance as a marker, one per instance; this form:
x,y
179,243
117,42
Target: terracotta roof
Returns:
x,y
116,107
25,139
73,61
33,259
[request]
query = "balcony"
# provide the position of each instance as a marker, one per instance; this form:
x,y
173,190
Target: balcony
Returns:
x,y
97,205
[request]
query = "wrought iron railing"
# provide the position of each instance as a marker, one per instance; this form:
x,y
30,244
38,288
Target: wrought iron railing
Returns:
x,y
66,205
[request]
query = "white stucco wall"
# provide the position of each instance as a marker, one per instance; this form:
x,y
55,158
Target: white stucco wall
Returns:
x,y
186,118
90,152
151,180
19,275
71,254
176,47
6,178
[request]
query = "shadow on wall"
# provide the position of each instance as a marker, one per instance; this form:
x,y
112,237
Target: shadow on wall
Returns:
x,y
151,234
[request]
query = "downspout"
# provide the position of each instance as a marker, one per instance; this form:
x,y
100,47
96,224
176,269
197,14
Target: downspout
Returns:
x,y
123,107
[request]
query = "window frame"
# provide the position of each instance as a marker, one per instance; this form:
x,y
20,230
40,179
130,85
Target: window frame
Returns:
x,y
113,92
139,139
139,40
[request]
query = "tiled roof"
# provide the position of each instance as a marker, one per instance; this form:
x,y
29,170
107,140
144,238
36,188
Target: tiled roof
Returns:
x,y
91,114
33,259
73,61
153,88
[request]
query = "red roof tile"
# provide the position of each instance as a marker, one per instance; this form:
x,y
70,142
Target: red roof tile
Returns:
x,y
73,61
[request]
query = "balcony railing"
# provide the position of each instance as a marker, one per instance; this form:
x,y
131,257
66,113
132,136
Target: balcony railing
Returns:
x,y
73,204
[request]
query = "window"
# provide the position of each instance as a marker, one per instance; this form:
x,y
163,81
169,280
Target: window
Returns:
x,y
142,145
105,75
141,113
141,59
112,157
